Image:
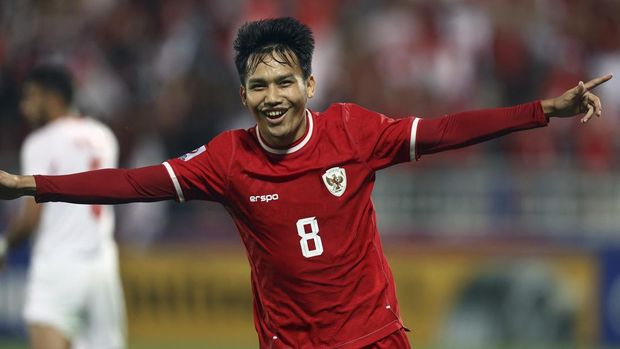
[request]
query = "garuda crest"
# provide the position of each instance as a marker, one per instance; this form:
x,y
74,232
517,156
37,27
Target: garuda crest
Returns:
x,y
335,180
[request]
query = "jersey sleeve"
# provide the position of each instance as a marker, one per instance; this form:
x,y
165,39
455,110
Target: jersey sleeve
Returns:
x,y
381,141
466,128
203,173
107,186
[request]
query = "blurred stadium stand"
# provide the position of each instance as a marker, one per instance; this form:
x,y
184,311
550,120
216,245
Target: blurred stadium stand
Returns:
x,y
160,73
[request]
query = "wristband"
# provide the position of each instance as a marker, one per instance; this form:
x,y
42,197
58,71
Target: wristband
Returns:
x,y
3,246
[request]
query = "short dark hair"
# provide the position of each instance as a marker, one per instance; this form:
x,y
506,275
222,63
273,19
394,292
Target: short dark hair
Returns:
x,y
282,36
53,78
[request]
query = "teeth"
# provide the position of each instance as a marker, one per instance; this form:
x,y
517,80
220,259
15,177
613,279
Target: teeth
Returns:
x,y
275,114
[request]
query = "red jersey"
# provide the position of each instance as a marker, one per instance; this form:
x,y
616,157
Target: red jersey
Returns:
x,y
305,214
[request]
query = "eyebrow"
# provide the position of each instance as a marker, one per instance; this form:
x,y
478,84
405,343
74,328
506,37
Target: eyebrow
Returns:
x,y
277,79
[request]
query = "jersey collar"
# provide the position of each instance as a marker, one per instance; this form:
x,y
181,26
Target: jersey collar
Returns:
x,y
293,148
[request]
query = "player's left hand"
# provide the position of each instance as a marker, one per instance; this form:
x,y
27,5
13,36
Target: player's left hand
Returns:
x,y
577,100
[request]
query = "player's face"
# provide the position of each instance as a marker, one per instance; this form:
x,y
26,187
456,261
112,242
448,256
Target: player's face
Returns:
x,y
276,94
33,104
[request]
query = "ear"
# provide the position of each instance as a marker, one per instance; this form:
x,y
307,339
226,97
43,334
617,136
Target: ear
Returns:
x,y
310,85
243,95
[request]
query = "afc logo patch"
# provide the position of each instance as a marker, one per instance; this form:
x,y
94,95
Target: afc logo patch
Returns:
x,y
193,153
335,180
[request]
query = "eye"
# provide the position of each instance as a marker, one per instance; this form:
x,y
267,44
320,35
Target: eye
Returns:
x,y
257,87
286,83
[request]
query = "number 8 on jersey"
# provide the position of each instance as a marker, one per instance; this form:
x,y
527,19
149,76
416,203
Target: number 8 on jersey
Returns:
x,y
312,235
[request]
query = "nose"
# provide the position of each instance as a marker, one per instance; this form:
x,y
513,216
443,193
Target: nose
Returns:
x,y
273,96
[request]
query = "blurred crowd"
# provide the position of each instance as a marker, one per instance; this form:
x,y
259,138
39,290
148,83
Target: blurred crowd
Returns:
x,y
161,72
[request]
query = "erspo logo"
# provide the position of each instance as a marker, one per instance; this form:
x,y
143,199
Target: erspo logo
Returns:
x,y
264,198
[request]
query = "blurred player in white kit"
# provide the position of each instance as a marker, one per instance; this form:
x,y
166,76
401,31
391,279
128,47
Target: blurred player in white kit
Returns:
x,y
74,297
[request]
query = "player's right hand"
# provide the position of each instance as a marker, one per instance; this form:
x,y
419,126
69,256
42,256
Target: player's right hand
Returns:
x,y
9,186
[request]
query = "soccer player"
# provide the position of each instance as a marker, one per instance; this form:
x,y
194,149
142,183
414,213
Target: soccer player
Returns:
x,y
74,296
298,186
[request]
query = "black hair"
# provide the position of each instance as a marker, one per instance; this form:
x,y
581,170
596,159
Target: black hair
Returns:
x,y
53,78
285,39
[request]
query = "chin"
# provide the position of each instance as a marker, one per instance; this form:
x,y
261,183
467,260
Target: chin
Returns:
x,y
279,136
277,131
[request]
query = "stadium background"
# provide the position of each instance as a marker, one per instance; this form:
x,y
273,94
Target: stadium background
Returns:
x,y
513,243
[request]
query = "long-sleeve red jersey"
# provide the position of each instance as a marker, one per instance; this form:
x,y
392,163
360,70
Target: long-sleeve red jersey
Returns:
x,y
305,214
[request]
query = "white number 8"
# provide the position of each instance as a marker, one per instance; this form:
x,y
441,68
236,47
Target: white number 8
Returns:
x,y
312,235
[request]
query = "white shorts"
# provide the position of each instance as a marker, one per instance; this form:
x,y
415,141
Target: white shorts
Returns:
x,y
82,299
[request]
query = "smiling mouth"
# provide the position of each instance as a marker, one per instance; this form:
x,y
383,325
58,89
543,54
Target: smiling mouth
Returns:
x,y
275,116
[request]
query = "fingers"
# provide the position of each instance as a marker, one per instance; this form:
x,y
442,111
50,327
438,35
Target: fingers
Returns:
x,y
576,93
593,105
596,103
597,81
588,114
580,89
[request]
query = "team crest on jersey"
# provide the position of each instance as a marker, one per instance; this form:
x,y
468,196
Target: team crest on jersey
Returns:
x,y
335,180
193,153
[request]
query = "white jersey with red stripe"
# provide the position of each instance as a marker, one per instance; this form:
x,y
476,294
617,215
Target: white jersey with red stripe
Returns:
x,y
68,145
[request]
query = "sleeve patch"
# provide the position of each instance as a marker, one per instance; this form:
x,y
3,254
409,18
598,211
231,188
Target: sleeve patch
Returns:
x,y
192,154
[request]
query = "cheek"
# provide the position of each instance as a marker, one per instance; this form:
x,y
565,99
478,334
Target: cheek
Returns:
x,y
252,100
297,96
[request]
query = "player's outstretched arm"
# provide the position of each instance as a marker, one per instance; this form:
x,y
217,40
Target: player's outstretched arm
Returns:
x,y
14,186
471,127
106,186
577,100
